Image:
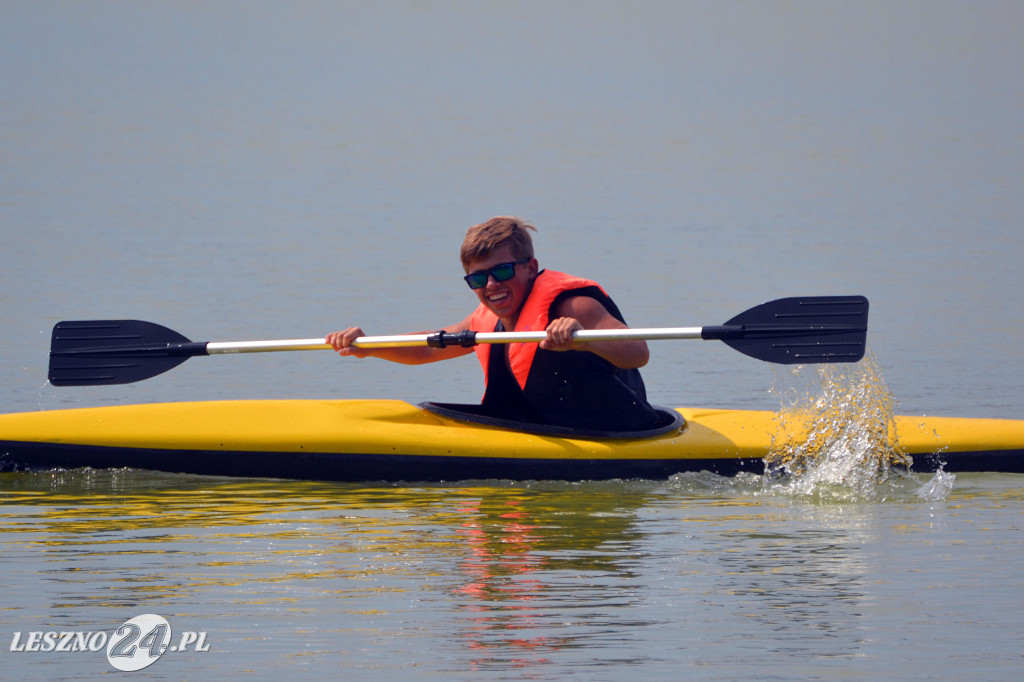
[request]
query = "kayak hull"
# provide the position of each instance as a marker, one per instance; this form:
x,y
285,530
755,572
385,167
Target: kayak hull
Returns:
x,y
390,440
357,467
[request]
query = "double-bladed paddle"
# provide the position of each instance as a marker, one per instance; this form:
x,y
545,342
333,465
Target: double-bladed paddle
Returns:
x,y
816,329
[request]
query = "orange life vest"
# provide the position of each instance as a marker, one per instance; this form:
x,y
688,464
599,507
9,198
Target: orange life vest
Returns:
x,y
534,316
577,389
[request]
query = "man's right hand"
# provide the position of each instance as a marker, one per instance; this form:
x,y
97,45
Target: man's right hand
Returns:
x,y
342,342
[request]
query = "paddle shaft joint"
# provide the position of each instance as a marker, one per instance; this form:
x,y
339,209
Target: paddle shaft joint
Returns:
x,y
443,339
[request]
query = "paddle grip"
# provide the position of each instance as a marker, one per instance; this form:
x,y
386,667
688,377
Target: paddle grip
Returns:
x,y
188,349
721,332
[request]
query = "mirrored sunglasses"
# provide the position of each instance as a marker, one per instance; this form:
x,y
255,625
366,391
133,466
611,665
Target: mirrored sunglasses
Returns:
x,y
501,273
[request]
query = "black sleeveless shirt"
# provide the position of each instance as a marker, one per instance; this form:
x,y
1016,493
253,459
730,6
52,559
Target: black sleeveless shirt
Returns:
x,y
576,389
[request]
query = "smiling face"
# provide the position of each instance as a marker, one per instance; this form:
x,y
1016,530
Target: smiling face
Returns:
x,y
505,299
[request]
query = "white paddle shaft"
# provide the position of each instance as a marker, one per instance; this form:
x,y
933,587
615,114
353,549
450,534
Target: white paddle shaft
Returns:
x,y
407,340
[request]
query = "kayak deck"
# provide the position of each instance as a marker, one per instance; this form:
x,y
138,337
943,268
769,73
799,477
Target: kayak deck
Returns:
x,y
391,440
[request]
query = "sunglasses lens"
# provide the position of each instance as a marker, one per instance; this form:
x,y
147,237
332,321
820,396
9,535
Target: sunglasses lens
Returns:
x,y
477,280
503,272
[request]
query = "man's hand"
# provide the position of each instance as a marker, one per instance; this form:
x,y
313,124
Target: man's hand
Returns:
x,y
342,342
560,333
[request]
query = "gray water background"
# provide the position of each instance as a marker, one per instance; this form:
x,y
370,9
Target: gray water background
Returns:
x,y
252,170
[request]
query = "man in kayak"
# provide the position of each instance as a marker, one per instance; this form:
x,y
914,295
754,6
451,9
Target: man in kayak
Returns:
x,y
560,381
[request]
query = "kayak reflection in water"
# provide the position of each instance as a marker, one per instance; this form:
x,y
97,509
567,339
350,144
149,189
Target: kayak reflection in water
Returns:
x,y
560,381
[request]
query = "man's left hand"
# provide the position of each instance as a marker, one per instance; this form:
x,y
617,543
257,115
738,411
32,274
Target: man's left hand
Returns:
x,y
560,334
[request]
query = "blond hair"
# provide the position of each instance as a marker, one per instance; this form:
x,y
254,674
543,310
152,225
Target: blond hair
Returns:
x,y
484,239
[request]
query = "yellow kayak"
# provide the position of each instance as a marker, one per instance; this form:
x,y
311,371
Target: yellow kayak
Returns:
x,y
390,440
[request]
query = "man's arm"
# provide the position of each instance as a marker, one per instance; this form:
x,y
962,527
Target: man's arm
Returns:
x,y
584,312
342,340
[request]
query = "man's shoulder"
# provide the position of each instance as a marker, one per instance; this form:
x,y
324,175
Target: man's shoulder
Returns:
x,y
580,305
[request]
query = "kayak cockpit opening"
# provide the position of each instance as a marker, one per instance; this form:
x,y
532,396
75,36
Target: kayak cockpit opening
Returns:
x,y
668,422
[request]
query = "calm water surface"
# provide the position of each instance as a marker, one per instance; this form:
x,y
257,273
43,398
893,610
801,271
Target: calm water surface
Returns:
x,y
251,170
697,577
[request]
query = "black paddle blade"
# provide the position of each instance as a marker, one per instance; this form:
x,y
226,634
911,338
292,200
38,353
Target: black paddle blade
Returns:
x,y
100,352
798,331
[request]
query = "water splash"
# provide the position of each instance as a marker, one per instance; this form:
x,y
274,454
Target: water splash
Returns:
x,y
836,437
